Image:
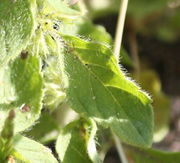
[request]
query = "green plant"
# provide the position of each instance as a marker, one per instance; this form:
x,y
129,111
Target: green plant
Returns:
x,y
48,68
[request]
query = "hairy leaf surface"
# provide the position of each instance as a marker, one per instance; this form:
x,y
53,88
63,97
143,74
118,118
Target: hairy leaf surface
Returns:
x,y
16,27
97,88
21,89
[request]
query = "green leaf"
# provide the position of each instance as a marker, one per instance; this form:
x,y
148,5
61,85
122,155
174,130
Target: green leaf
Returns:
x,y
21,90
16,27
44,134
6,137
141,8
94,32
86,29
57,8
138,155
54,93
150,81
97,88
76,143
29,151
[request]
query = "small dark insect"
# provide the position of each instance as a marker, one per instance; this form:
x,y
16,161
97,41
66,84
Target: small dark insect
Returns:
x,y
25,108
56,26
24,54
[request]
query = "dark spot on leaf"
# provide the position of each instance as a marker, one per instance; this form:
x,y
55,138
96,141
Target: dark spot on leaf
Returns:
x,y
25,108
24,54
83,132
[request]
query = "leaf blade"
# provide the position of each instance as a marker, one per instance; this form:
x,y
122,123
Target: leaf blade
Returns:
x,y
76,142
97,88
16,28
28,150
22,90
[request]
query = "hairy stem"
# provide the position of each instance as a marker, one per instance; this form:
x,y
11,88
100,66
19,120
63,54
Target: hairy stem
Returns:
x,y
120,149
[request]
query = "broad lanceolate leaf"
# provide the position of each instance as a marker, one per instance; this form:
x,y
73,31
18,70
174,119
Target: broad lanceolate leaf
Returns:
x,y
29,151
97,88
76,143
16,27
21,89
137,155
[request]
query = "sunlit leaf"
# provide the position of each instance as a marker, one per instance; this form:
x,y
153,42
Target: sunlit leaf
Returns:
x,y
6,137
76,143
27,150
16,27
57,8
21,90
97,88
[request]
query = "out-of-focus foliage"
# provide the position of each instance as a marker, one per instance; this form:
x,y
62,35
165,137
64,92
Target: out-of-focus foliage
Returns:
x,y
159,18
150,81
138,155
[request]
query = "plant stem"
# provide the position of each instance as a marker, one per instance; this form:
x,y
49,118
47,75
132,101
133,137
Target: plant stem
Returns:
x,y
82,7
120,27
117,48
120,149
